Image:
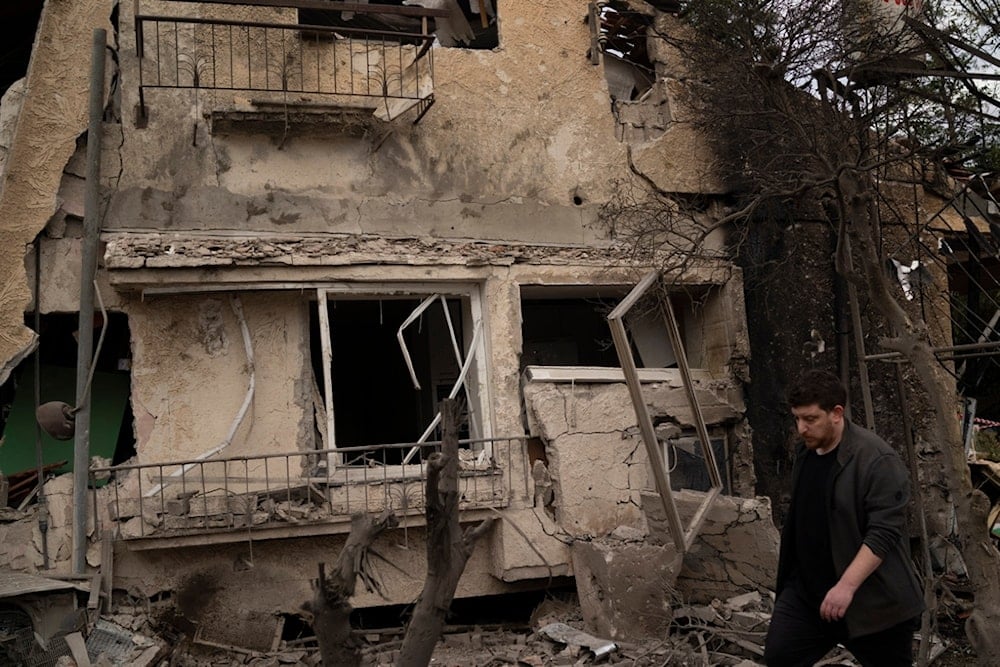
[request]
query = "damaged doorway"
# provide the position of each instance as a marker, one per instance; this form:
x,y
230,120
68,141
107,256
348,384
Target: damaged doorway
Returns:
x,y
392,358
112,430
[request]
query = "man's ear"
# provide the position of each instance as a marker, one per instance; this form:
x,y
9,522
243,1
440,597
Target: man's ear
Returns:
x,y
837,412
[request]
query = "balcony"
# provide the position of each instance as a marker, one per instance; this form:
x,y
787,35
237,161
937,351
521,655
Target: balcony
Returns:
x,y
207,501
378,69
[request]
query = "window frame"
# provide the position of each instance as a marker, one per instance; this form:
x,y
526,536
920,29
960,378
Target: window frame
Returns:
x,y
474,344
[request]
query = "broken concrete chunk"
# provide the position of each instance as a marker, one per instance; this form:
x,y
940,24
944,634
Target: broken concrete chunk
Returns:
x,y
625,589
742,602
628,534
566,634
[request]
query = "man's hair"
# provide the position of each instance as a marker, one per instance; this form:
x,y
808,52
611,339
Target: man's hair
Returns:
x,y
816,387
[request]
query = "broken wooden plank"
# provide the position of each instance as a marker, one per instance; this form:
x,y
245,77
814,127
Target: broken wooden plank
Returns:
x,y
279,629
78,648
94,599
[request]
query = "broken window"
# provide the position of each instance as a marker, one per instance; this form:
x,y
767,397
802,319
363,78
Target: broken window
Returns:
x,y
638,98
683,451
568,326
391,359
471,24
627,66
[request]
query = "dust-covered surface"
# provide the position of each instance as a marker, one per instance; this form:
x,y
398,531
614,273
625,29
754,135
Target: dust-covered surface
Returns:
x,y
726,632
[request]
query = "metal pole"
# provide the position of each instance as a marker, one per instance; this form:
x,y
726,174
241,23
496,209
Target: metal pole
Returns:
x,y
965,347
43,508
88,267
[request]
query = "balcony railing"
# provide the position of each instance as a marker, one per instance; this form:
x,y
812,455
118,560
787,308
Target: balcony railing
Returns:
x,y
254,493
386,71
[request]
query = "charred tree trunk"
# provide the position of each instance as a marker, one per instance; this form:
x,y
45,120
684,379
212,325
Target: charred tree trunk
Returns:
x,y
448,547
331,603
982,559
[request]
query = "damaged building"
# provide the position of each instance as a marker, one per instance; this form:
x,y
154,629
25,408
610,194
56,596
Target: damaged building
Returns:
x,y
315,221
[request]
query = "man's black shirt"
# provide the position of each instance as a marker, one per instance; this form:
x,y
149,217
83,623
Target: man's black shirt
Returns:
x,y
814,570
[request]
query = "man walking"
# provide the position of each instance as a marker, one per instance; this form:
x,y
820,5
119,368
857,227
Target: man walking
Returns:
x,y
844,571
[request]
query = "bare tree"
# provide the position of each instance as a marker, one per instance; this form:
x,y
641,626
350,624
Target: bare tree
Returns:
x,y
448,547
814,109
331,604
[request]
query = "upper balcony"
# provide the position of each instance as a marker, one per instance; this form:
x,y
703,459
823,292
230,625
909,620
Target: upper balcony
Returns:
x,y
371,59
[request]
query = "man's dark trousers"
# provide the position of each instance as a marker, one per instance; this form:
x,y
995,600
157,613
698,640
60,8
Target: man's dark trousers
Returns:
x,y
799,637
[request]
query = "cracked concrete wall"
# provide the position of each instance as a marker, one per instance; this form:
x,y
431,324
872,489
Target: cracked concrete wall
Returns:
x,y
595,454
735,552
230,588
190,375
53,113
472,168
681,157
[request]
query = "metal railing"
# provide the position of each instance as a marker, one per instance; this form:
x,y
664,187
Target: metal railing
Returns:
x,y
362,67
198,496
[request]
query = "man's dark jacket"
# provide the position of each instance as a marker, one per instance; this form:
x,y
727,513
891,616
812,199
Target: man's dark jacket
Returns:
x,y
867,494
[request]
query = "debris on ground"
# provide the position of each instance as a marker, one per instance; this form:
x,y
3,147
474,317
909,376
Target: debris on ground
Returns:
x,y
144,633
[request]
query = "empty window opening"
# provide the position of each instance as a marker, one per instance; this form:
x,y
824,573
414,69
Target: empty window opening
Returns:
x,y
112,434
568,326
566,332
375,397
472,24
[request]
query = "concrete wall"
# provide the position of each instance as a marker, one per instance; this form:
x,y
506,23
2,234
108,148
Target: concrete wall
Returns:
x,y
190,375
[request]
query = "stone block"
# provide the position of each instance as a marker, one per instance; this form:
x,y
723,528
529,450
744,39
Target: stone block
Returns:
x,y
216,505
515,558
736,550
626,590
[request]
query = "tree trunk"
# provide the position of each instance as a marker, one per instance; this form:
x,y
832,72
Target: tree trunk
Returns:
x,y
448,548
982,560
331,606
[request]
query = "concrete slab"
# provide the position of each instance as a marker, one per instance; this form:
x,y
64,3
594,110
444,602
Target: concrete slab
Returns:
x,y
626,589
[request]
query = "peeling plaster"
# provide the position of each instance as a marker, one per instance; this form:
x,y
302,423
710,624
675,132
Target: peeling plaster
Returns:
x,y
52,116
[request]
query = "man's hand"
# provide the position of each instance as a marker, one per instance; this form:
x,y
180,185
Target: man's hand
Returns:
x,y
838,598
836,602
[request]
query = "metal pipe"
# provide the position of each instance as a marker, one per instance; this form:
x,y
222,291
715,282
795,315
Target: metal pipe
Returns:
x,y
950,348
43,509
88,268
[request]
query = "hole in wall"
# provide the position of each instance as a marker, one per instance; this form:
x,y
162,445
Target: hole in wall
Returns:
x,y
112,432
20,20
